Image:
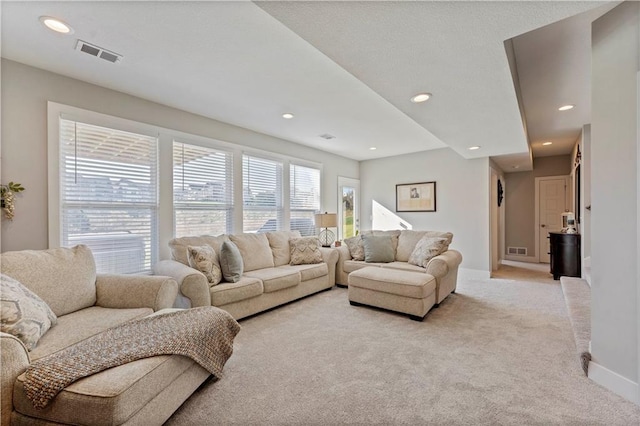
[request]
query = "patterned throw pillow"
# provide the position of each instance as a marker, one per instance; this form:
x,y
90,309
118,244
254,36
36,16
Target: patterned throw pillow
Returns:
x,y
356,247
305,250
24,314
205,260
231,262
426,249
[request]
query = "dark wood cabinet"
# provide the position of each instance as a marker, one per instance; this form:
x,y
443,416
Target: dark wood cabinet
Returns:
x,y
565,254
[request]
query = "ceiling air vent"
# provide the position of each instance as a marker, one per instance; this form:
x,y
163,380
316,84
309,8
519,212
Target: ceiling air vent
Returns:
x,y
327,136
98,52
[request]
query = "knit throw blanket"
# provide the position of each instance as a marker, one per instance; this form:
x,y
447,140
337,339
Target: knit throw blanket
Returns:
x,y
203,334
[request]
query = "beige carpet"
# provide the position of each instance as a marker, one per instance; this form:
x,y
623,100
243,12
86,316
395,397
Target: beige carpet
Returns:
x,y
499,351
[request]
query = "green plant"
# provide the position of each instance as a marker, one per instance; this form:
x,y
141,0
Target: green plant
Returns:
x,y
7,194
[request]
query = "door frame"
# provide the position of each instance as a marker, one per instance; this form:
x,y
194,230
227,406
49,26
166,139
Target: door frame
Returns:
x,y
353,183
537,207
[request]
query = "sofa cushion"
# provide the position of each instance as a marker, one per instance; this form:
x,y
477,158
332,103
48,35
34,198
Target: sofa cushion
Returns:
x,y
274,279
24,314
110,397
179,246
354,265
205,260
401,283
408,239
65,278
231,262
305,250
426,249
279,243
356,249
378,249
245,288
255,250
404,266
309,272
79,325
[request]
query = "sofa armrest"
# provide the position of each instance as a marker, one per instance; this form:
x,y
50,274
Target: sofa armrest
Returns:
x,y
135,291
342,278
444,268
15,360
191,283
330,257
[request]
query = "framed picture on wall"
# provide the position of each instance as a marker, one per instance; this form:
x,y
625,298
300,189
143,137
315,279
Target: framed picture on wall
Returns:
x,y
416,197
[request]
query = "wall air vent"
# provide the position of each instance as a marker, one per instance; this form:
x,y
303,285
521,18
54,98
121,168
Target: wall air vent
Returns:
x,y
327,136
517,251
98,52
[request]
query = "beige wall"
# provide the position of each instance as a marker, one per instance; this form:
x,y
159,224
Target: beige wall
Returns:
x,y
462,198
615,284
25,92
519,200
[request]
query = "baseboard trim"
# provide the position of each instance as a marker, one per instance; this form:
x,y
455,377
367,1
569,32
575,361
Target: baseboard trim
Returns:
x,y
614,382
474,274
528,259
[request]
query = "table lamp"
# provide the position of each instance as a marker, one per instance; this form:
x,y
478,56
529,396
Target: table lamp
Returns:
x,y
326,220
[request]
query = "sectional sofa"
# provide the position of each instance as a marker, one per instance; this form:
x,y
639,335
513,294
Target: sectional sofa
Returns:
x,y
268,279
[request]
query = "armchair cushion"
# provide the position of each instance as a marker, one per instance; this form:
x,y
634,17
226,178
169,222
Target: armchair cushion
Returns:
x,y
65,278
24,314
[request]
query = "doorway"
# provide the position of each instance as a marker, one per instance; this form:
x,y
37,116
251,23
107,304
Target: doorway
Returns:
x,y
348,207
551,202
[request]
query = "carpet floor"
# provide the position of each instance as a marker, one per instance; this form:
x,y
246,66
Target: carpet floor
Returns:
x,y
499,351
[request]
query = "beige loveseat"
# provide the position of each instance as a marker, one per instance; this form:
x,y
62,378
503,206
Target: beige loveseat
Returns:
x,y
268,279
444,267
144,392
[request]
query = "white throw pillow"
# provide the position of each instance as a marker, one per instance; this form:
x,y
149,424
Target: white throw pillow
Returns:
x,y
205,260
426,249
356,247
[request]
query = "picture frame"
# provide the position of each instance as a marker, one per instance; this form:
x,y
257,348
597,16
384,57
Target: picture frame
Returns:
x,y
416,197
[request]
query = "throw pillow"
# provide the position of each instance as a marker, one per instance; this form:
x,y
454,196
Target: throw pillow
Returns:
x,y
426,249
205,260
305,250
356,249
378,249
24,314
231,262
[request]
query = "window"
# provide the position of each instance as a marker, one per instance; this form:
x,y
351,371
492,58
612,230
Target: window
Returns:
x,y
202,190
262,194
304,187
109,195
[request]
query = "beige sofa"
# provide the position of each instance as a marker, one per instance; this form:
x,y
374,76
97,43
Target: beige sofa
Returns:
x,y
268,279
444,267
143,392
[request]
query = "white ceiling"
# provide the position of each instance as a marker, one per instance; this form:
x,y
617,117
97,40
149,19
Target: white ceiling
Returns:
x,y
343,68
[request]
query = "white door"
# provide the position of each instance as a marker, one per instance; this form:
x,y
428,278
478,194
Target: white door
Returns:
x,y
552,203
348,207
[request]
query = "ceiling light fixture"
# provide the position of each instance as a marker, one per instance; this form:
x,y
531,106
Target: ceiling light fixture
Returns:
x,y
56,25
287,116
373,148
421,97
515,167
566,107
547,143
473,148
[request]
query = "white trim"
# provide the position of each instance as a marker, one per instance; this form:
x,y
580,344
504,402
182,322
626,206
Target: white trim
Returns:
x,y
527,259
537,208
473,274
352,183
614,382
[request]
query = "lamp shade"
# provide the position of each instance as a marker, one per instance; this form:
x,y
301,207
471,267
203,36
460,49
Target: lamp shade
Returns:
x,y
326,220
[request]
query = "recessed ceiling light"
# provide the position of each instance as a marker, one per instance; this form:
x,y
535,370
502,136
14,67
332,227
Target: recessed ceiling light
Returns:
x,y
565,107
515,167
473,148
373,148
421,97
56,25
287,116
547,143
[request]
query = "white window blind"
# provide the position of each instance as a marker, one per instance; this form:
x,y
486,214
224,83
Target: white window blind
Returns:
x,y
109,195
202,190
304,188
262,194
